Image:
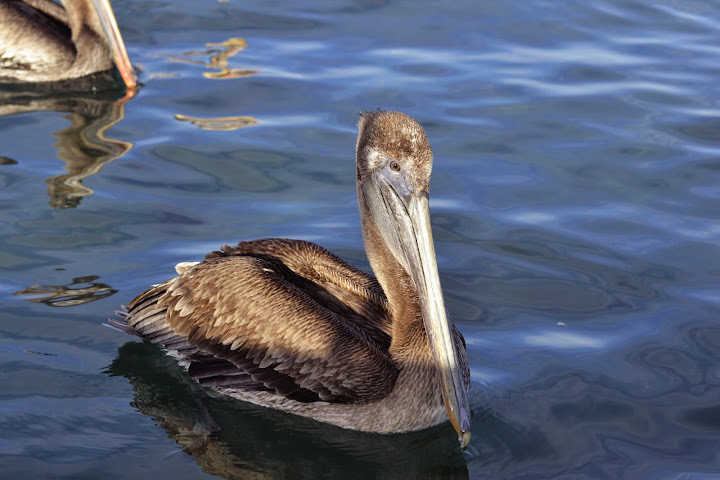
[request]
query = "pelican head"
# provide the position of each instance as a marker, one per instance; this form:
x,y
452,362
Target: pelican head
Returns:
x,y
394,162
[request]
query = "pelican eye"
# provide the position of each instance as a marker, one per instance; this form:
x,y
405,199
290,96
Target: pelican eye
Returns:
x,y
395,166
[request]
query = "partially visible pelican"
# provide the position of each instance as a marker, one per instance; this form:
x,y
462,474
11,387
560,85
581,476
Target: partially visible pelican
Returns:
x,y
42,42
288,325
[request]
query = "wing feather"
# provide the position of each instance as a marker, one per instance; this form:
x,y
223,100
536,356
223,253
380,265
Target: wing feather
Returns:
x,y
265,325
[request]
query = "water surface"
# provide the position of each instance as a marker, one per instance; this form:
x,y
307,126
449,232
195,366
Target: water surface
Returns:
x,y
575,201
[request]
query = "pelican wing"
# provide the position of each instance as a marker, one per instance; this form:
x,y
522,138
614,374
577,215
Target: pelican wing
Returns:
x,y
244,318
34,36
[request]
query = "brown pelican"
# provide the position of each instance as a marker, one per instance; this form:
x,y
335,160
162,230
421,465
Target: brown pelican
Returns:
x,y
288,325
42,42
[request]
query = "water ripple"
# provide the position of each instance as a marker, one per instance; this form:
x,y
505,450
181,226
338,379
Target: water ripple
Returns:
x,y
574,206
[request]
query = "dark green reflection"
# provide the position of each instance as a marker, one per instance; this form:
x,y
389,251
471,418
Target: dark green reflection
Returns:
x,y
75,293
237,440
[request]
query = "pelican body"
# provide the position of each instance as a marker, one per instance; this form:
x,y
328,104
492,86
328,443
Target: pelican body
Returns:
x,y
42,42
288,325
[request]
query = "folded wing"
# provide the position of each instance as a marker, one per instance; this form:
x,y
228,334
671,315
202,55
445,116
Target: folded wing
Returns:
x,y
244,319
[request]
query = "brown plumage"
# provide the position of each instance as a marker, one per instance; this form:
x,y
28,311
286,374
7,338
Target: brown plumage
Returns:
x,y
42,42
288,325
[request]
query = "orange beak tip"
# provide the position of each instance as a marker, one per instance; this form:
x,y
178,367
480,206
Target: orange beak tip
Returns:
x,y
464,438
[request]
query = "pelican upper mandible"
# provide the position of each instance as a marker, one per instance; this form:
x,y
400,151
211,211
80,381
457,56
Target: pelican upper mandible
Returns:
x,y
40,41
288,325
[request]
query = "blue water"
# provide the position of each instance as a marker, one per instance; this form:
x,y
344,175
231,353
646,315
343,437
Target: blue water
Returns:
x,y
575,202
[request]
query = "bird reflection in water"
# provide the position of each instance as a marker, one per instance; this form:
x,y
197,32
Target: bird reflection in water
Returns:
x,y
83,146
220,123
69,295
236,440
219,53
220,58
